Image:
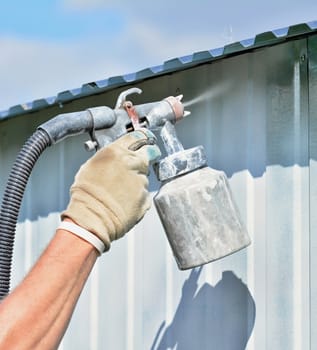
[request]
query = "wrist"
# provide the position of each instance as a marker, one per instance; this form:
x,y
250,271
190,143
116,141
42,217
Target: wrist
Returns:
x,y
83,234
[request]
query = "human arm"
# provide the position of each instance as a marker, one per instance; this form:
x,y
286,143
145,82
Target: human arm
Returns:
x,y
36,314
108,197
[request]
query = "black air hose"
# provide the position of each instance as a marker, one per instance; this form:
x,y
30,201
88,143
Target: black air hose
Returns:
x,y
12,199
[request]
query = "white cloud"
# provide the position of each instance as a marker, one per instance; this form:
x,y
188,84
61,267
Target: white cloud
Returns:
x,y
33,69
158,45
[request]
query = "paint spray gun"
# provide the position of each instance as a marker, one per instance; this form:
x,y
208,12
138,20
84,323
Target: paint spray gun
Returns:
x,y
194,203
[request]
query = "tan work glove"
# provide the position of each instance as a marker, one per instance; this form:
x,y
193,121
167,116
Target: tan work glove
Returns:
x,y
110,192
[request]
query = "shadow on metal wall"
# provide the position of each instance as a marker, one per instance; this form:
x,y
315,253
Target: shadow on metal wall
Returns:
x,y
219,317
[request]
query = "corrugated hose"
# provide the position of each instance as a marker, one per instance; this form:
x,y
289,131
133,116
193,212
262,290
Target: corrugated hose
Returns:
x,y
12,199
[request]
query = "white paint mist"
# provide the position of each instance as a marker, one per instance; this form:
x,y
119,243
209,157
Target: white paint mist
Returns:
x,y
213,92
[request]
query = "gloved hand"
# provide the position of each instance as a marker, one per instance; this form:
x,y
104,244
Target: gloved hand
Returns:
x,y
110,192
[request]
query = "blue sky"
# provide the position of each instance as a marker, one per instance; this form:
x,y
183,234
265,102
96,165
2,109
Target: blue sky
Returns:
x,y
55,20
50,46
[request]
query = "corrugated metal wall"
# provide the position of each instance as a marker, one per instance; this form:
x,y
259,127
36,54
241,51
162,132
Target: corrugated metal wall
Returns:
x,y
256,115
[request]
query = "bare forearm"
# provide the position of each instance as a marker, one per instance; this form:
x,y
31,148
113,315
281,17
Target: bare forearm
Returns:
x,y
35,315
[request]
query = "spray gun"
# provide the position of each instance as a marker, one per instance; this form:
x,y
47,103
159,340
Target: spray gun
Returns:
x,y
194,203
105,124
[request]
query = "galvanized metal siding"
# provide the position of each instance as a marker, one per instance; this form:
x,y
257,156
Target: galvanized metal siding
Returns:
x,y
312,51
255,115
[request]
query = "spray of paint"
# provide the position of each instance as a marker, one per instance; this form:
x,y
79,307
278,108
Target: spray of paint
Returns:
x,y
207,95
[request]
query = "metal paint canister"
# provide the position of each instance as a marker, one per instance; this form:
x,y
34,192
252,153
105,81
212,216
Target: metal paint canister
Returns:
x,y
196,207
200,218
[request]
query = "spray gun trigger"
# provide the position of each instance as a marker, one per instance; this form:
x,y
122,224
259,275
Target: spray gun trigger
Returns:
x,y
143,123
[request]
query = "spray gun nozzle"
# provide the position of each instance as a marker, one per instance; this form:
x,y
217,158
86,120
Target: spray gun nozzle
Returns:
x,y
177,106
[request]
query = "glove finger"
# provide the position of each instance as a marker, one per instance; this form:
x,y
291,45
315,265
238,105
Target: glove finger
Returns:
x,y
142,141
146,147
136,137
149,152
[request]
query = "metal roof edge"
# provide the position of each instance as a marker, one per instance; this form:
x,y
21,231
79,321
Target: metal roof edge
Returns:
x,y
180,63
